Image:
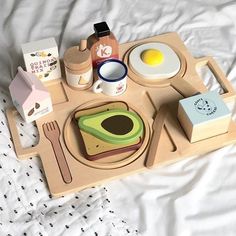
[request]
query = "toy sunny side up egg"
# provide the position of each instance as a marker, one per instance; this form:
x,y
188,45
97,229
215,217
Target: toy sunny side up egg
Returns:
x,y
154,61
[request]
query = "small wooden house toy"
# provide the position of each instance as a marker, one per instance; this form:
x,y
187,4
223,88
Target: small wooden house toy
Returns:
x,y
42,59
30,96
203,116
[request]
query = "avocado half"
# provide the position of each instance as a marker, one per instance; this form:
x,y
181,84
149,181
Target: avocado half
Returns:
x,y
115,126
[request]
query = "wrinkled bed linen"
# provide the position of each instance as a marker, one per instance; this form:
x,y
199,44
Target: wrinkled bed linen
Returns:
x,y
194,197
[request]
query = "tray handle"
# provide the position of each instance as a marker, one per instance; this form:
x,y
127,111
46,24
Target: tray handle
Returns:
x,y
229,92
184,88
22,153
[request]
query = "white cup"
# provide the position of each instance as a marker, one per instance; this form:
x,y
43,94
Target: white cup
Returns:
x,y
112,77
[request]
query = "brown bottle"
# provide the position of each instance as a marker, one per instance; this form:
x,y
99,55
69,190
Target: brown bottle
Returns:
x,y
102,44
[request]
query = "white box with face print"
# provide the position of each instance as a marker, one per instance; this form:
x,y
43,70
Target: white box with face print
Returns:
x,y
42,59
203,116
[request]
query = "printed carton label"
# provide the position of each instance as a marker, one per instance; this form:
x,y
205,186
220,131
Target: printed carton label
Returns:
x,y
103,51
44,64
205,106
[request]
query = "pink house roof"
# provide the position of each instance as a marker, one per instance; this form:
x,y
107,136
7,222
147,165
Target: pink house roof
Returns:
x,y
27,89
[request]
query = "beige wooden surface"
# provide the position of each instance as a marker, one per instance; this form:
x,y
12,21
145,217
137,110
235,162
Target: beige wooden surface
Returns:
x,y
142,97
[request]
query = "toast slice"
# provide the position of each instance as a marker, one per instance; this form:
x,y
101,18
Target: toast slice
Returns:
x,y
95,148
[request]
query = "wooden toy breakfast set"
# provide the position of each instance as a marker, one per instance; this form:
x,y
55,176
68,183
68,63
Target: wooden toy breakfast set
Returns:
x,y
92,135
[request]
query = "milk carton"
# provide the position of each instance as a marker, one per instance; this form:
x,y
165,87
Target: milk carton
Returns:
x,y
30,97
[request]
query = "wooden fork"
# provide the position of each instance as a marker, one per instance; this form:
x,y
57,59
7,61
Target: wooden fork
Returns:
x,y
52,133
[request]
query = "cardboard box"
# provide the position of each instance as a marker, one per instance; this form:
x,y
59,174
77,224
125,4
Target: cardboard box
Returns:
x,y
42,59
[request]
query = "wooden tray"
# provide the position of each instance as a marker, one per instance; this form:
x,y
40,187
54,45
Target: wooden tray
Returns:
x,y
144,98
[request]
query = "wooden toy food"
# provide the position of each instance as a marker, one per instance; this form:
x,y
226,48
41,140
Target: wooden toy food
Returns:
x,y
102,44
78,66
114,126
203,116
42,59
110,131
30,97
154,61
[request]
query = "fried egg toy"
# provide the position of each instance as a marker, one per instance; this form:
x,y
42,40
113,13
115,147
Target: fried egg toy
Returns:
x,y
154,61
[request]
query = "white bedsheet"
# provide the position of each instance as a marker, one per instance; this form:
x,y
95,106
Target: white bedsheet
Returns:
x,y
194,197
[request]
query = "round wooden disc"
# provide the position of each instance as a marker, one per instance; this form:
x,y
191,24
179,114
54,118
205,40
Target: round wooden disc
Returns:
x,y
138,78
73,141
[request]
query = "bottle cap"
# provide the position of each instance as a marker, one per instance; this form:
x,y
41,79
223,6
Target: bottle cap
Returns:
x,y
101,29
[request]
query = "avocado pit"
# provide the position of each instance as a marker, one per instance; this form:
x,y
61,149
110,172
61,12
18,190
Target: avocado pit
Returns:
x,y
118,124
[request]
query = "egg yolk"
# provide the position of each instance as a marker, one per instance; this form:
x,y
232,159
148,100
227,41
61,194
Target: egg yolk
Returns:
x,y
152,57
